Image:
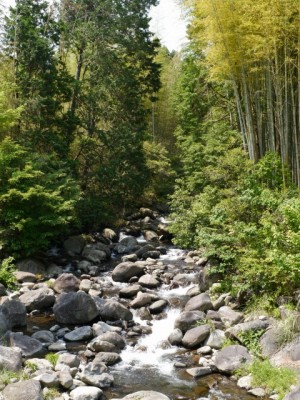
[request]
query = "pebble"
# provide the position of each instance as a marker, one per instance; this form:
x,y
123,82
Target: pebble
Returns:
x,y
258,392
245,382
204,350
180,365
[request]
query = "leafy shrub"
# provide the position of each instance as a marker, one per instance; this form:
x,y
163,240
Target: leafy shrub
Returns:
x,y
6,273
37,199
249,222
250,339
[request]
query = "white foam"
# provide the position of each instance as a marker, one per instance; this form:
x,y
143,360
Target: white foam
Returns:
x,y
165,292
173,254
148,352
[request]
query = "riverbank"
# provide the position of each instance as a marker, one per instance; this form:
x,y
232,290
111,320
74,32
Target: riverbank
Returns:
x,y
121,312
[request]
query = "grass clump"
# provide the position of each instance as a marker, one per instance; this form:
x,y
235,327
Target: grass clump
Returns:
x,y
7,376
51,393
52,357
272,379
286,330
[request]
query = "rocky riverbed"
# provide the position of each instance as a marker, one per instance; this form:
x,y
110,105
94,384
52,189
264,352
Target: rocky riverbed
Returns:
x,y
122,313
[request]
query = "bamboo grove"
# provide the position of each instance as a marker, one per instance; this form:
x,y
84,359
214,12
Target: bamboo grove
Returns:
x,y
256,46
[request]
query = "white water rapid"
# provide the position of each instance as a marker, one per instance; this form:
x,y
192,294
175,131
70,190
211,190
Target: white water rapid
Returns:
x,y
150,351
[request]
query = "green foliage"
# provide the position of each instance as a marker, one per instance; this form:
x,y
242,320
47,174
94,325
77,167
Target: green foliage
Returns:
x,y
51,393
228,342
246,216
264,303
7,268
278,380
43,83
37,199
161,174
52,357
6,377
31,366
250,339
286,330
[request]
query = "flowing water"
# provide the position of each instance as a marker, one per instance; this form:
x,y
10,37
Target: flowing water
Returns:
x,y
148,362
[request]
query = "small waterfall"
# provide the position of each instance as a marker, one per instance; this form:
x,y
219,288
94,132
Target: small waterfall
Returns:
x,y
151,350
173,254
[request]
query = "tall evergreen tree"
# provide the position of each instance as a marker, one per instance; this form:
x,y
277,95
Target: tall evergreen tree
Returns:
x,y
115,71
43,83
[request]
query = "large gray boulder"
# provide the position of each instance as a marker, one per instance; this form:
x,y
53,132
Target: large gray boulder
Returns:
x,y
141,300
22,276
71,360
102,327
158,306
151,236
10,358
269,342
94,255
48,379
25,390
66,283
96,252
95,374
32,265
98,345
4,322
75,308
145,249
38,299
201,302
112,310
15,311
148,281
195,336
45,337
198,372
255,325
29,346
65,379
145,395
79,334
175,337
216,339
126,270
130,291
74,245
127,245
108,358
114,338
86,393
154,254
232,358
288,355
230,317
294,395
188,319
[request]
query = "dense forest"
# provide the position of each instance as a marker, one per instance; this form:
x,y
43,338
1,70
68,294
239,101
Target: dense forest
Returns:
x,y
96,118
